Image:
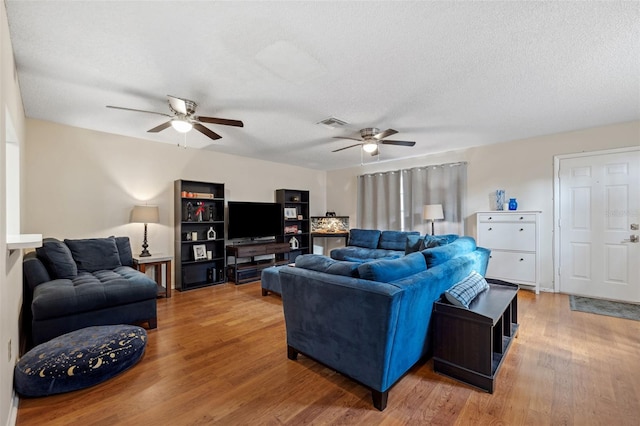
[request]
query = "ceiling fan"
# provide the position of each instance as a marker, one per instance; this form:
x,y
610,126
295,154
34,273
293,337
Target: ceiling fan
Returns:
x,y
371,137
183,118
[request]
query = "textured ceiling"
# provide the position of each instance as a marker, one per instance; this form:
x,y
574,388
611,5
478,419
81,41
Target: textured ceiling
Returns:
x,y
447,75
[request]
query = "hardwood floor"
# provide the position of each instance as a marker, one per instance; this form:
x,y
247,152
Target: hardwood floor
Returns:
x,y
219,356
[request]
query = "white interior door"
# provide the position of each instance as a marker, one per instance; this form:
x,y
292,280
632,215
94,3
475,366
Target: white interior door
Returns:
x,y
599,212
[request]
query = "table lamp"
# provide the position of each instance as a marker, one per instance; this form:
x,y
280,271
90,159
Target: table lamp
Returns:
x,y
145,214
433,212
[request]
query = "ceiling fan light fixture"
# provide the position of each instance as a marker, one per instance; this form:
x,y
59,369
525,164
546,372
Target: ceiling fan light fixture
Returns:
x,y
182,126
370,147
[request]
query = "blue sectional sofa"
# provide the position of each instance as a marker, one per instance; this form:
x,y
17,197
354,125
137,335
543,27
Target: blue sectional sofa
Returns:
x,y
80,283
371,321
368,244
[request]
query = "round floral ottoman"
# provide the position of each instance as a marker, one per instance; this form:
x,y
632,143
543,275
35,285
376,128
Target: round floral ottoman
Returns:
x,y
79,359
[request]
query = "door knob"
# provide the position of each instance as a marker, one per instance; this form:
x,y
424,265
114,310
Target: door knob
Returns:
x,y
632,239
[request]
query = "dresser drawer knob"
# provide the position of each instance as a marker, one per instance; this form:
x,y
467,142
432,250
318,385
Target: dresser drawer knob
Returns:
x,y
521,218
521,229
489,229
490,218
521,260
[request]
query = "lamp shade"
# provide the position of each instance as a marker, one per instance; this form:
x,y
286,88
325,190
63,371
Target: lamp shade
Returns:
x,y
145,214
433,212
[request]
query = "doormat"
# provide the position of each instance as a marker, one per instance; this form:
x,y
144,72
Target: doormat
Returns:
x,y
605,307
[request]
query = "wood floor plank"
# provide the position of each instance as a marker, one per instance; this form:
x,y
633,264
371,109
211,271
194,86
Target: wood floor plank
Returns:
x,y
219,356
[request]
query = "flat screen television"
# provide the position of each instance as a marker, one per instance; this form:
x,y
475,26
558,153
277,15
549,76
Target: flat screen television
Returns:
x,y
254,220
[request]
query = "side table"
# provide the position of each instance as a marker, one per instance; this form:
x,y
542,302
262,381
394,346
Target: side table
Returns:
x,y
156,261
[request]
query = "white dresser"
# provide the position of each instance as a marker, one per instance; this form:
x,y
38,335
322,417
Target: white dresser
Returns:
x,y
514,240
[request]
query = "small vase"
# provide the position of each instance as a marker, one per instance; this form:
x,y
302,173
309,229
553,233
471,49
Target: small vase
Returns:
x,y
513,204
499,199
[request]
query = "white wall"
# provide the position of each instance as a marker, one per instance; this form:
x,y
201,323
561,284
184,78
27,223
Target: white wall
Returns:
x,y
523,168
84,183
10,264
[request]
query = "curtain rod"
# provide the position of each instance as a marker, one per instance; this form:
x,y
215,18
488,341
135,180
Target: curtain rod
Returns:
x,y
434,166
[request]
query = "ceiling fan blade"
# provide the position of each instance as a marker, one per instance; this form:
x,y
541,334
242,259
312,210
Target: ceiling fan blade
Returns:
x,y
344,137
223,121
160,127
199,127
385,133
399,143
178,104
139,110
346,147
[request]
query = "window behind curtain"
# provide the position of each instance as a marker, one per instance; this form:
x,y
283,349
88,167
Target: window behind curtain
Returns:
x,y
394,200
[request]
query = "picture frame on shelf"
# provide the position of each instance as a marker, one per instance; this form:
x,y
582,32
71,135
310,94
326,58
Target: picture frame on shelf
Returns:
x,y
199,252
290,213
291,229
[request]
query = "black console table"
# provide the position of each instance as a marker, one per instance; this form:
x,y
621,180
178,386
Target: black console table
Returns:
x,y
470,344
244,272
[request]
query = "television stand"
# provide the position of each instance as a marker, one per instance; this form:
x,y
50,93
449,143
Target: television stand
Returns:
x,y
251,269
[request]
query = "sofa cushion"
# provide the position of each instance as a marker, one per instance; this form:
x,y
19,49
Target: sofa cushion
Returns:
x,y
124,251
367,238
463,292
57,258
360,254
437,255
95,254
315,262
394,240
385,270
91,291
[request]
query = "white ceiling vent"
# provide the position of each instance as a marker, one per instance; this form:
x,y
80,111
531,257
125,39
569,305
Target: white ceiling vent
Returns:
x,y
332,122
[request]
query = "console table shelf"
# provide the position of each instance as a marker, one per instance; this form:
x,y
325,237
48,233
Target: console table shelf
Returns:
x,y
470,344
250,270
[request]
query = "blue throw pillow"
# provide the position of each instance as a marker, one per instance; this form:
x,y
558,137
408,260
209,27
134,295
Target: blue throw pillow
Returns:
x,y
413,244
314,262
347,269
385,271
463,293
318,263
367,238
438,255
124,250
57,258
431,241
95,254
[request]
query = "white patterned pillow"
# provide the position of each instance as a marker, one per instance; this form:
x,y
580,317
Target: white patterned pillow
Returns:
x,y
463,293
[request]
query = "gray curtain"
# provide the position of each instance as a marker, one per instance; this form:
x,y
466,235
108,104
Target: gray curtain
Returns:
x,y
379,202
444,184
395,200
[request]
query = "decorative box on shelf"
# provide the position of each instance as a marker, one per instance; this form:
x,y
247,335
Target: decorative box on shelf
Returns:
x,y
329,224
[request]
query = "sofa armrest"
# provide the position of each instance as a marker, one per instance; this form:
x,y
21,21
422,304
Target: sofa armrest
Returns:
x,y
343,322
34,271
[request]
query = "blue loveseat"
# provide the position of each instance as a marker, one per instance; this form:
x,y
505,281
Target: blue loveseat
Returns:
x,y
80,283
371,321
368,244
